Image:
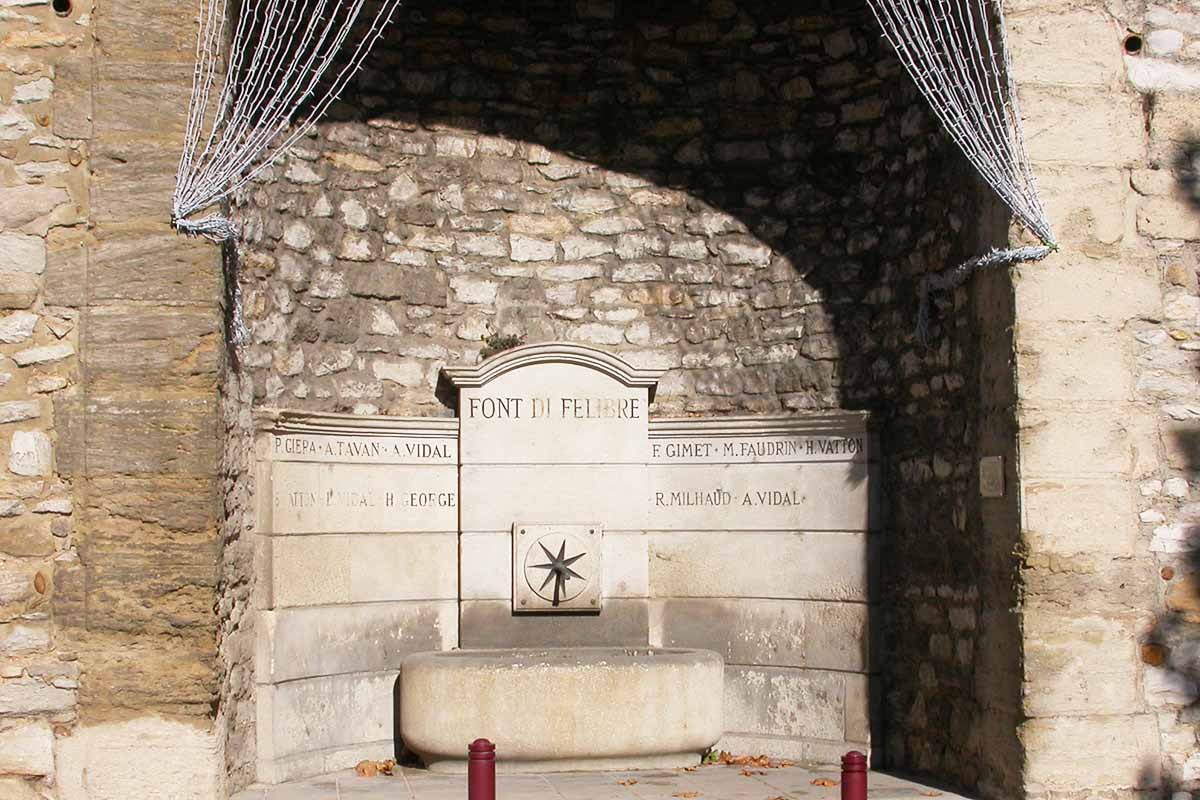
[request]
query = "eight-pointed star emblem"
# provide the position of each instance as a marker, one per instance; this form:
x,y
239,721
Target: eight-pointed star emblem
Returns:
x,y
558,569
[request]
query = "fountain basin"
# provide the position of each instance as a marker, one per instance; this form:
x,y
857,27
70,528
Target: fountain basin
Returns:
x,y
563,709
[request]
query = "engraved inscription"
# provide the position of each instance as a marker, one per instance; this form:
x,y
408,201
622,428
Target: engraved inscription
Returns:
x,y
336,498
363,498
358,449
719,497
755,449
556,408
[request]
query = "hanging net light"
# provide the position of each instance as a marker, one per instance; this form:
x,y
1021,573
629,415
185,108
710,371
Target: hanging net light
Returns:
x,y
287,60
957,53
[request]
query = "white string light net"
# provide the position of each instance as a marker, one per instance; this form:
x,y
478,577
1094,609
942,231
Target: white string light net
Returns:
x,y
957,53
287,59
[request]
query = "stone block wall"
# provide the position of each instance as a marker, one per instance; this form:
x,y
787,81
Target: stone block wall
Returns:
x,y
110,350
1109,429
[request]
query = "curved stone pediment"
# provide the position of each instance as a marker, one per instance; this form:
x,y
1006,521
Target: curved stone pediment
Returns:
x,y
554,353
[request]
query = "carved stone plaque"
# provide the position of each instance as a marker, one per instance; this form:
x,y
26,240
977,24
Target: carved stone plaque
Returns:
x,y
556,568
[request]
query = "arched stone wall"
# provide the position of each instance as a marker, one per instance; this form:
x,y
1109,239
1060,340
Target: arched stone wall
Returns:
x,y
738,193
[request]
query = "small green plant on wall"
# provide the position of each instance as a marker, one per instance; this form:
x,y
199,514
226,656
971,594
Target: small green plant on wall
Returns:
x,y
498,344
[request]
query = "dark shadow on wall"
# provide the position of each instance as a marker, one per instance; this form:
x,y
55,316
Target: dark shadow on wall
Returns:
x,y
1189,171
803,128
1173,643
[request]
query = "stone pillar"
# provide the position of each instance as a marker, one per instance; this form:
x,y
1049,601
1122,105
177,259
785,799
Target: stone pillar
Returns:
x,y
110,350
1102,366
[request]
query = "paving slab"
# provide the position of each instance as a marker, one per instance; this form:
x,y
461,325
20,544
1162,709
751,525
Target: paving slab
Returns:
x,y
700,783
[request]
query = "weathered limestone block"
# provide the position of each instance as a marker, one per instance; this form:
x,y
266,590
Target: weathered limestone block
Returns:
x,y
1090,439
132,178
1070,288
158,674
27,748
72,99
1083,126
781,633
164,36
1086,754
66,268
136,346
139,263
315,570
1077,362
776,565
1086,206
24,696
178,758
297,643
1168,218
173,437
1079,518
337,713
1076,47
1079,665
785,702
141,97
147,595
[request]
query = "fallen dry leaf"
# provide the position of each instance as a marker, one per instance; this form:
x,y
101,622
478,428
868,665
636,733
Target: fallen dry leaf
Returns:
x,y
764,762
687,794
932,794
369,769
629,782
690,769
778,797
823,782
751,772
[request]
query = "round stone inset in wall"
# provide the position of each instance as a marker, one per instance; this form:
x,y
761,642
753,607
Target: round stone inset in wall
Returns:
x,y
556,568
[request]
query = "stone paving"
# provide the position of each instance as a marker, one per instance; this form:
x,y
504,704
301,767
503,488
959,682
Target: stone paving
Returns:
x,y
704,783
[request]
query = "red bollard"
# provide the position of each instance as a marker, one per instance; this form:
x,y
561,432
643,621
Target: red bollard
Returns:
x,y
854,776
481,770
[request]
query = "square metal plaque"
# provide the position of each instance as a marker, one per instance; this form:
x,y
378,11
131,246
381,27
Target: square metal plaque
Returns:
x,y
556,568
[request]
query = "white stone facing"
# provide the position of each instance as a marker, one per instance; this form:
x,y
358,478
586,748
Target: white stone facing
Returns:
x,y
494,496
363,568
328,713
553,404
758,440
351,439
362,498
808,566
306,642
793,497
798,703
751,631
552,413
758,523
